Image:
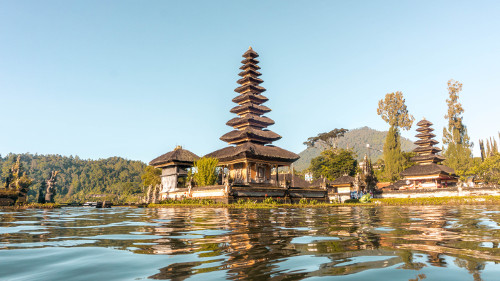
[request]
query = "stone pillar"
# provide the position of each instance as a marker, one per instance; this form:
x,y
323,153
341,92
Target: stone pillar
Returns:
x,y
176,182
226,176
277,177
248,173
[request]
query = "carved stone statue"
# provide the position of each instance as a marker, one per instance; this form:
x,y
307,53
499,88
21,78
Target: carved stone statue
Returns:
x,y
51,188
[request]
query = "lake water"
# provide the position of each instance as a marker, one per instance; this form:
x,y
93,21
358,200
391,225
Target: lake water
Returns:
x,y
338,243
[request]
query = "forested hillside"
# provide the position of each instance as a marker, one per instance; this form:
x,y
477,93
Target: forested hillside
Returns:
x,y
81,180
119,179
357,140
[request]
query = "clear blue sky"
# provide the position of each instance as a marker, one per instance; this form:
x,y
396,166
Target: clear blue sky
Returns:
x,y
135,78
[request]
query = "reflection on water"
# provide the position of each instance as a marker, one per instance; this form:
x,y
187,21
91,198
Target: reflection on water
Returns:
x,y
341,243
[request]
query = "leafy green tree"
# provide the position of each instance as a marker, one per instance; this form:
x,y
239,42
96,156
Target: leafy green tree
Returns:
x,y
407,163
328,139
332,164
393,110
494,146
458,151
393,157
489,169
17,178
206,171
488,148
151,176
481,148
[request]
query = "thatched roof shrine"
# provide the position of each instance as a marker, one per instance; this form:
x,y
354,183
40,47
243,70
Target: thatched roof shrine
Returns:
x,y
178,156
343,180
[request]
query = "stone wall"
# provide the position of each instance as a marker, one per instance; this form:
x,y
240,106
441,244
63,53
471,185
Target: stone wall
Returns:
x,y
205,192
223,194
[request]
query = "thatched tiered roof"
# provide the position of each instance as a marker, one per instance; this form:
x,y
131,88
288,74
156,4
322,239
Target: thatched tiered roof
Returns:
x,y
427,160
428,169
254,151
426,151
178,156
343,180
250,123
251,138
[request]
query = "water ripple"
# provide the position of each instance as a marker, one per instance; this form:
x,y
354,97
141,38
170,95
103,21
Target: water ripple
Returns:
x,y
348,243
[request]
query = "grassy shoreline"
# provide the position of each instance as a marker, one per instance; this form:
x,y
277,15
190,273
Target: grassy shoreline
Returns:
x,y
431,201
270,203
449,200
32,206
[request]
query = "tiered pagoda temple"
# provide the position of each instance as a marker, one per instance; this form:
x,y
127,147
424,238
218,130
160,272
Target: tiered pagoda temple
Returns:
x,y
428,173
251,158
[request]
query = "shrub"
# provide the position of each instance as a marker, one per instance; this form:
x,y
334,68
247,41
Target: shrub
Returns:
x,y
206,173
365,198
269,200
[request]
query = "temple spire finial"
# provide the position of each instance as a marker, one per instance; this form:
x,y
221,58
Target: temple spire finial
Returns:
x,y
250,48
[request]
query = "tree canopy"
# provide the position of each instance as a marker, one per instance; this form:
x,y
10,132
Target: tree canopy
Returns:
x,y
489,169
332,164
457,151
393,156
16,177
329,139
114,179
151,176
393,110
206,171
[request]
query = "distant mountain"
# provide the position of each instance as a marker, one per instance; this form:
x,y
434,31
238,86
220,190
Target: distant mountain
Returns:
x,y
357,140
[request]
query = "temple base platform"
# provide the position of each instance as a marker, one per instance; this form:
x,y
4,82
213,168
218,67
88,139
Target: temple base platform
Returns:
x,y
220,193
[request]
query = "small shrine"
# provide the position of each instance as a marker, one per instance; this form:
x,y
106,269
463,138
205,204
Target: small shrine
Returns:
x,y
428,173
342,188
251,159
174,167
